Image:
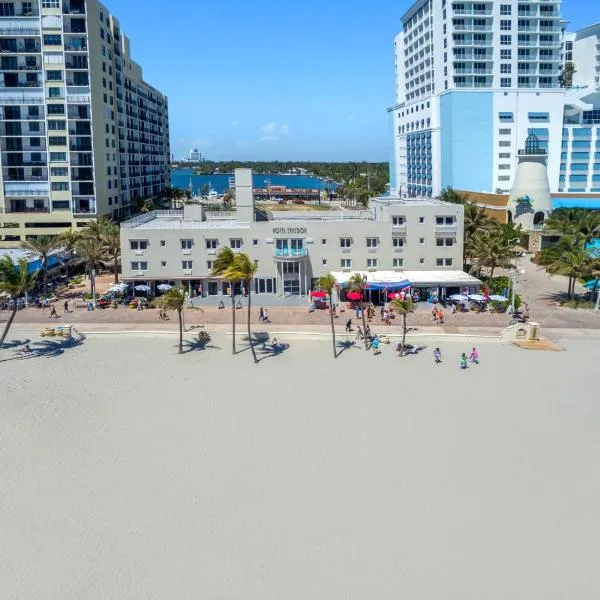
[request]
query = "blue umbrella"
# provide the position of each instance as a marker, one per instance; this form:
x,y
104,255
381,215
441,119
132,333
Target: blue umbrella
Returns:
x,y
592,284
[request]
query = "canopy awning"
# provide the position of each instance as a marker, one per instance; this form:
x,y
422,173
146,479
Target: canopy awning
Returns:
x,y
401,279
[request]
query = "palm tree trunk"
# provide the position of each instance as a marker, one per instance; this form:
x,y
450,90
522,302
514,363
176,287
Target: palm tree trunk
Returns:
x,y
44,277
492,273
180,351
8,323
250,332
403,334
332,324
116,268
362,305
232,315
570,288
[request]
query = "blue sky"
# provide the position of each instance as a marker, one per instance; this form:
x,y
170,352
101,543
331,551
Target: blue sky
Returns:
x,y
306,80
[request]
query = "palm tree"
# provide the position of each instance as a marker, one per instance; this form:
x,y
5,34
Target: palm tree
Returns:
x,y
42,246
404,307
569,258
448,194
112,244
15,282
358,283
92,253
98,227
243,269
221,265
174,299
68,239
328,283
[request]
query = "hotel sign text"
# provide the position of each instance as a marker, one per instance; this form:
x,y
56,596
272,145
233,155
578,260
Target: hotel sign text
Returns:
x,y
289,230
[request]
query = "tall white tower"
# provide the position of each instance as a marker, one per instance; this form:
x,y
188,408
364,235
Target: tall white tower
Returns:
x,y
530,201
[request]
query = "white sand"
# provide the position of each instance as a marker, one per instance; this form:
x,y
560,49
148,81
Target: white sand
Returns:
x,y
130,472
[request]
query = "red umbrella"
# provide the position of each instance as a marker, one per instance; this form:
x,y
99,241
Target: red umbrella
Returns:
x,y
319,294
394,296
353,296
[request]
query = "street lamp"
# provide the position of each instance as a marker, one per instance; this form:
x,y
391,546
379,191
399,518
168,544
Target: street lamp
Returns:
x,y
513,277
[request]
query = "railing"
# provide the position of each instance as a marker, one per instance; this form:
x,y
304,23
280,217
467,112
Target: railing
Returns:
x,y
19,31
290,252
141,219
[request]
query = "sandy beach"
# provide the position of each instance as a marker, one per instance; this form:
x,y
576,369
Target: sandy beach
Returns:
x,y
131,472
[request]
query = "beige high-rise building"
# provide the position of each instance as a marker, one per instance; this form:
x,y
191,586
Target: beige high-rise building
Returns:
x,y
81,133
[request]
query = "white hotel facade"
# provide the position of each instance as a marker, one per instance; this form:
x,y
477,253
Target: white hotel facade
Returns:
x,y
474,79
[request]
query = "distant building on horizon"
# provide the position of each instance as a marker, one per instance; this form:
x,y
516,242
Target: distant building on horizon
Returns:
x,y
195,155
475,79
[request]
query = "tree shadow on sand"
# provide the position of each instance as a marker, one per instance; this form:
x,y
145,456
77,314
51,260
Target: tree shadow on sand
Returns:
x,y
198,346
50,348
271,350
345,345
14,344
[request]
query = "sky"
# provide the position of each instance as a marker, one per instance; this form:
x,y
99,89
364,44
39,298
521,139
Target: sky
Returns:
x,y
273,80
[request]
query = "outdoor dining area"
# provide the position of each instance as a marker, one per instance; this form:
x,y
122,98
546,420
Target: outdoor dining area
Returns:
x,y
494,303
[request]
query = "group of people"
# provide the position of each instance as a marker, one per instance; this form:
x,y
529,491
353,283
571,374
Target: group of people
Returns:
x,y
464,360
437,313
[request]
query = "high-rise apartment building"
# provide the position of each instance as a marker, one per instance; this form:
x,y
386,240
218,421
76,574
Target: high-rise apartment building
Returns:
x,y
475,79
82,134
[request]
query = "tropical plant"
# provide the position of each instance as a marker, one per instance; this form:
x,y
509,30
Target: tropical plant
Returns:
x,y
448,194
15,281
565,77
221,268
575,222
243,269
98,227
174,299
475,222
404,307
570,258
358,284
67,240
328,283
111,238
92,252
42,246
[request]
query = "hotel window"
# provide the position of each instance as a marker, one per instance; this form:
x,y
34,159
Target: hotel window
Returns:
x,y
444,242
50,3
421,241
504,144
186,265
504,131
57,125
421,219
53,75
504,167
235,243
398,263
52,40
60,186
346,263
209,265
505,25
323,242
505,40
138,244
505,68
448,262
187,244
505,9
504,178
398,242
505,54
163,264
371,263
59,171
58,156
324,261
397,221
345,242
504,155
212,244
372,242
444,220
255,242
421,261
139,266
56,141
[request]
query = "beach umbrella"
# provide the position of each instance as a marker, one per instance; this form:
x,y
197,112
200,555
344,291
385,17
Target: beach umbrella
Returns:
x,y
592,284
396,295
142,288
477,298
458,298
498,298
353,295
319,294
163,287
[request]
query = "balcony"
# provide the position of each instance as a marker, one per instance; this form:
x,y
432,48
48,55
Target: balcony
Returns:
x,y
28,206
290,253
74,8
84,206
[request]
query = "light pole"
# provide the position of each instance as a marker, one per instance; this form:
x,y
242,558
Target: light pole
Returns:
x,y
513,277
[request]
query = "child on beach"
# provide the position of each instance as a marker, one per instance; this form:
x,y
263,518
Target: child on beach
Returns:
x,y
349,325
463,361
474,357
437,356
376,350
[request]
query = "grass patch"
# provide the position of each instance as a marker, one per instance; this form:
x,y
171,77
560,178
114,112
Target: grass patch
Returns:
x,y
274,207
584,304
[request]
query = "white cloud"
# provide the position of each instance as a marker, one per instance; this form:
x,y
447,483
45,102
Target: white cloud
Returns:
x,y
272,129
268,138
234,123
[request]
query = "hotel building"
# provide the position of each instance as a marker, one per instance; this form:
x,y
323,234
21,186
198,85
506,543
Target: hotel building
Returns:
x,y
474,79
81,132
395,240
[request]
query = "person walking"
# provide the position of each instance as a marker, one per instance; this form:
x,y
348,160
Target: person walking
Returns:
x,y
437,356
349,325
357,311
440,316
434,313
53,312
359,333
463,361
376,350
66,306
474,357
261,316
266,316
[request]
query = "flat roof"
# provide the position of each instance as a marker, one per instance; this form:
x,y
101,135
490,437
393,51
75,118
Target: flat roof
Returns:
x,y
429,278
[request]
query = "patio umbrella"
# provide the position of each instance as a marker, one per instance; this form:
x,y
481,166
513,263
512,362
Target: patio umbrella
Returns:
x,y
163,287
353,296
458,298
142,288
497,298
319,294
396,295
477,298
118,287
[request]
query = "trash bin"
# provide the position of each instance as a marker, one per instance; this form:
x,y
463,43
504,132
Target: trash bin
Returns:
x,y
533,331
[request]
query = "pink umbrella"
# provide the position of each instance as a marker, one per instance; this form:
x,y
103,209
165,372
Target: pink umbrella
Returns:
x,y
353,296
319,294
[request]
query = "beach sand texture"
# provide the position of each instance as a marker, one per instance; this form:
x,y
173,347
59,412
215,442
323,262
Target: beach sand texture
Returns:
x,y
130,472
